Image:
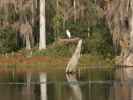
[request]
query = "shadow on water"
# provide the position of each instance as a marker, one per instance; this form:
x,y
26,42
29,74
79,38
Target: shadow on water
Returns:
x,y
90,84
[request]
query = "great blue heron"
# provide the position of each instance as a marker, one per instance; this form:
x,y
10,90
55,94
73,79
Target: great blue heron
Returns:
x,y
68,33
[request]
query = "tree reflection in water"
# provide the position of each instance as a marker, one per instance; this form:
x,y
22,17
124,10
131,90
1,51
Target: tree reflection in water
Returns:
x,y
43,86
74,85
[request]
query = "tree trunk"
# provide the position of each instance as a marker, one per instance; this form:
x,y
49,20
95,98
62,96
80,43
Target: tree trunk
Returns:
x,y
131,33
75,13
28,45
72,64
42,44
129,60
120,23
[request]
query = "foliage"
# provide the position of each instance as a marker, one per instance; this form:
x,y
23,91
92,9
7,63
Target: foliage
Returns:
x,y
8,40
50,38
12,15
57,50
59,17
118,17
96,60
77,29
100,41
57,25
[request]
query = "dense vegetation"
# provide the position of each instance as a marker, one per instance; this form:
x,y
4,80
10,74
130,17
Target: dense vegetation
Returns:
x,y
8,42
85,20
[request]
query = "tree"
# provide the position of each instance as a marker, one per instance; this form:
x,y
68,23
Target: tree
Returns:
x,y
120,22
129,59
42,44
75,12
26,34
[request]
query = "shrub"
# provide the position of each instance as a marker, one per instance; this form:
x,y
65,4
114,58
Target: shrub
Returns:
x,y
8,40
100,41
57,25
64,50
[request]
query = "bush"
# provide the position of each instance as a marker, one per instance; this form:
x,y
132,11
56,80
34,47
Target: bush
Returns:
x,y
77,29
61,50
57,26
100,41
50,38
8,40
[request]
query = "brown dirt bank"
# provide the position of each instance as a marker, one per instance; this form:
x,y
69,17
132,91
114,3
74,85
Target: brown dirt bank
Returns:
x,y
22,60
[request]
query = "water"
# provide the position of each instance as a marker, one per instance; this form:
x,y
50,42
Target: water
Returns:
x,y
88,84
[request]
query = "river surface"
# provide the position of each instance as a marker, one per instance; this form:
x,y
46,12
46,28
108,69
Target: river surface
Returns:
x,y
88,84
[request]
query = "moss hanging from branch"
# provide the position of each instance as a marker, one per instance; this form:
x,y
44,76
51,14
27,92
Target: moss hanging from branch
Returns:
x,y
118,16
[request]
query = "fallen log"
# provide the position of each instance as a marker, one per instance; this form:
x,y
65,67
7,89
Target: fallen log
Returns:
x,y
72,64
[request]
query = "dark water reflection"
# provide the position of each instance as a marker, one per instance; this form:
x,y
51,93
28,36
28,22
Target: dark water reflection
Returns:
x,y
56,85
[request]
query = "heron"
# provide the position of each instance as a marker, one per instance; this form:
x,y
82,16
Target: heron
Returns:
x,y
68,33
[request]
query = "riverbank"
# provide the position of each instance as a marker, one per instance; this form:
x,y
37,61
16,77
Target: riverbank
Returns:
x,y
40,62
55,56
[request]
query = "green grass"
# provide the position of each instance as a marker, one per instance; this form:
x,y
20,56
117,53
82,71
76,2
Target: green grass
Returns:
x,y
92,59
56,50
